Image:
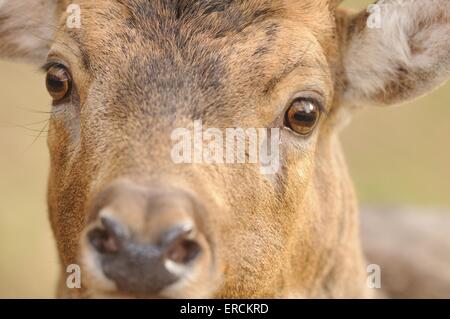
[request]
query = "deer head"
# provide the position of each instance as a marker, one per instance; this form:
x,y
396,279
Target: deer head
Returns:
x,y
133,71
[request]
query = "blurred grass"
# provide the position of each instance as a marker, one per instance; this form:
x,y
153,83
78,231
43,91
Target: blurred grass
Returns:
x,y
28,262
402,154
396,156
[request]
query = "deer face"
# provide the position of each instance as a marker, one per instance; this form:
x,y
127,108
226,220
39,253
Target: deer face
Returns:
x,y
186,229
141,224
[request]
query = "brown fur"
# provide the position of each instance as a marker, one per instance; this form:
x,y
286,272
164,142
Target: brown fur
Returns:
x,y
143,68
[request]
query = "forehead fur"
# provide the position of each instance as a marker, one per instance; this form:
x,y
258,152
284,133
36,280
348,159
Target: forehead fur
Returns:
x,y
176,24
216,18
197,45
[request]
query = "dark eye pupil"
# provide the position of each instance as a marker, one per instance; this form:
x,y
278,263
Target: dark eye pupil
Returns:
x,y
55,83
58,82
306,119
302,116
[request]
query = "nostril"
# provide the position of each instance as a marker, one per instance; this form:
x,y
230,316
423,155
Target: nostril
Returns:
x,y
105,238
183,251
103,241
180,245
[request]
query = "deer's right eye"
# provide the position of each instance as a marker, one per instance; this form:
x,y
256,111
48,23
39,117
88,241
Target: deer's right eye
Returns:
x,y
58,82
302,116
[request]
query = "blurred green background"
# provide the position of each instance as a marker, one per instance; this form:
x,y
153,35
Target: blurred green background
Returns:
x,y
397,156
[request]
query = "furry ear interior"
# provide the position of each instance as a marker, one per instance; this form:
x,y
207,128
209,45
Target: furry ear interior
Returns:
x,y
396,51
26,29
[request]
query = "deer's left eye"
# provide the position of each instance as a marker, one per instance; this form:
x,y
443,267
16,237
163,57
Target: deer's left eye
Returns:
x,y
58,82
302,116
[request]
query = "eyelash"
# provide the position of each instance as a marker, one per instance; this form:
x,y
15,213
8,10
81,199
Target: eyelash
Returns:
x,y
313,97
47,66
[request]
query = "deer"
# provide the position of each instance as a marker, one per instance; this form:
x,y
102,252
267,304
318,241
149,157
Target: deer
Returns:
x,y
140,225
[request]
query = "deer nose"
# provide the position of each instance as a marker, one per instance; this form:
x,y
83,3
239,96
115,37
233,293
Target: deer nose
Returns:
x,y
143,268
144,240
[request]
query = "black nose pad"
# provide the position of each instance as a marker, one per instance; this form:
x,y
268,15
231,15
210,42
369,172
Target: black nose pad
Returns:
x,y
138,267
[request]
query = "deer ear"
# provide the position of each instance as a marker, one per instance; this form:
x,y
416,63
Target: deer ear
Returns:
x,y
26,28
395,52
